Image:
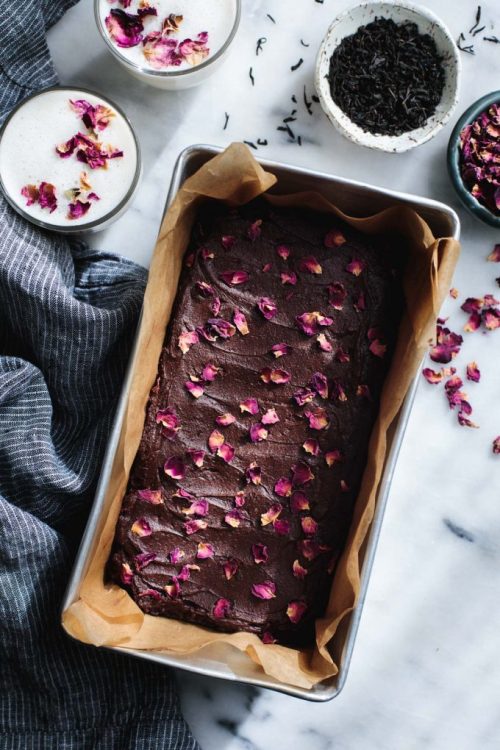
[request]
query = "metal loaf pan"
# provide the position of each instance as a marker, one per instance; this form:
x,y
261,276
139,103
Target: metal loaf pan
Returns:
x,y
355,198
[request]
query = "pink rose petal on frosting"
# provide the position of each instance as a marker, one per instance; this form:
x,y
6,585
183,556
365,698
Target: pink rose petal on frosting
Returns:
x,y
268,638
215,440
210,372
197,457
336,295
309,548
301,473
77,209
311,446
280,350
206,290
191,527
309,525
318,419
258,433
299,502
360,303
169,421
254,230
283,251
230,569
288,277
295,611
47,196
221,608
253,474
143,559
174,468
473,372
260,553
215,306
194,51
250,405
319,383
311,322
150,496
226,452
323,342
282,527
241,323
233,518
204,551
303,396
333,457
227,241
378,348
265,590
270,417
309,264
334,238
197,508
239,499
186,340
271,515
298,570
141,527
278,377
126,573
355,267
267,307
176,555
195,389
234,278
283,487
224,420
266,267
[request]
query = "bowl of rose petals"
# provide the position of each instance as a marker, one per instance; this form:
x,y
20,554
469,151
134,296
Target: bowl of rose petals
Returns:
x,y
474,158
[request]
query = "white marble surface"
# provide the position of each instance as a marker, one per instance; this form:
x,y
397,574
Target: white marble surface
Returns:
x,y
425,672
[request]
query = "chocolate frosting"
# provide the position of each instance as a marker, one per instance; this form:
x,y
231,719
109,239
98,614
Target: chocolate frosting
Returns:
x,y
364,329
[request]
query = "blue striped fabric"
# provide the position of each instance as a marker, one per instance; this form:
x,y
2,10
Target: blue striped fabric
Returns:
x,y
67,315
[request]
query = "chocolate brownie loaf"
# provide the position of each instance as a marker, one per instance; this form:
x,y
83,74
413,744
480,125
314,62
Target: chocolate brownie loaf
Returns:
x,y
257,427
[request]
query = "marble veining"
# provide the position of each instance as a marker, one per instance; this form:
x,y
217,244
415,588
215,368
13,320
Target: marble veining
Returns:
x,y
425,673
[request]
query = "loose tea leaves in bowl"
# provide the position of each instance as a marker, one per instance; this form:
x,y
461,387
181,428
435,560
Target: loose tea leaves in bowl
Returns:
x,y
387,77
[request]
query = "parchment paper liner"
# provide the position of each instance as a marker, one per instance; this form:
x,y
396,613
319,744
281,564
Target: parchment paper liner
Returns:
x,y
105,614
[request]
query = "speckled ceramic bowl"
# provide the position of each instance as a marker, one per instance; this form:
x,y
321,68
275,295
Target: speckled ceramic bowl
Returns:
x,y
471,203
346,24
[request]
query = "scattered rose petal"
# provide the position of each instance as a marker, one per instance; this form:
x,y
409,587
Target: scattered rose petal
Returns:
x,y
278,377
309,525
126,573
150,496
288,277
125,28
491,319
141,527
270,417
230,569
267,307
454,293
447,345
295,611
271,515
204,551
496,446
344,487
323,342
265,590
360,303
225,419
176,555
219,327
283,487
464,421
303,396
309,548
337,294
281,526
239,499
260,553
31,193
227,241
143,559
95,117
210,372
241,323
215,440
333,457
197,457
309,264
363,390
473,323
191,527
311,322
298,570
494,256
151,593
234,278
266,267
173,589
311,446
319,383
378,348
215,306
342,356
318,419
221,608
432,376
258,433
280,350
299,502
250,405
77,209
204,289
169,421
253,474
283,251
174,468
226,452
355,267
473,372
186,340
301,473
197,508
195,389
334,238
472,304
207,254
254,230
233,518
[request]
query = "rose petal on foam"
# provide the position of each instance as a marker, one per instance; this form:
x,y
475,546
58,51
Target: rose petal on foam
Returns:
x,y
264,590
194,51
260,553
141,527
496,445
311,446
197,457
197,508
150,496
267,307
311,322
174,468
378,348
283,487
491,318
204,289
342,356
230,569
255,230
333,457
258,433
194,525
195,389
31,193
169,421
283,251
186,340
323,342
280,350
215,440
295,611
282,527
77,209
494,256
221,609
224,420
299,502
336,295
124,28
249,405
301,473
288,277
126,573
234,278
334,238
204,551
226,452
473,372
270,417
271,515
472,324
454,293
233,518
240,322
432,376
278,377
253,474
309,525
227,241
319,383
309,264
298,570
303,396
143,559
318,419
355,267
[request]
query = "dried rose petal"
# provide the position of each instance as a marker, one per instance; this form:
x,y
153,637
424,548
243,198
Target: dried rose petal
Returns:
x,y
333,457
31,193
239,499
234,278
215,306
342,356
258,433
204,551
473,372
288,277
194,51
254,230
378,348
311,446
473,323
270,417
319,383
150,592
309,264
268,638
309,548
77,209
283,487
267,307
355,267
280,350
197,508
464,421
309,525
260,553
204,289
230,569
283,251
227,241
337,294
334,238
432,376
253,474
299,502
169,421
265,590
496,446
318,419
126,573
250,405
491,318
298,570
360,303
266,267
271,515
174,468
311,322
295,611
494,256
303,396
281,526
95,117
191,527
241,323
278,377
323,342
363,390
195,389
186,340
226,452
197,457
225,419
141,527
150,496
215,440
221,608
454,293
143,559
173,589
210,372
233,518
301,473
472,304
176,555
219,327
447,345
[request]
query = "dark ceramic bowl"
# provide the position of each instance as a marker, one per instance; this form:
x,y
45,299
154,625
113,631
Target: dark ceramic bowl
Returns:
x,y
471,203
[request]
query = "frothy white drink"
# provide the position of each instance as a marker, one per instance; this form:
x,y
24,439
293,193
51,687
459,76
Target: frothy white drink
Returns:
x,y
34,152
